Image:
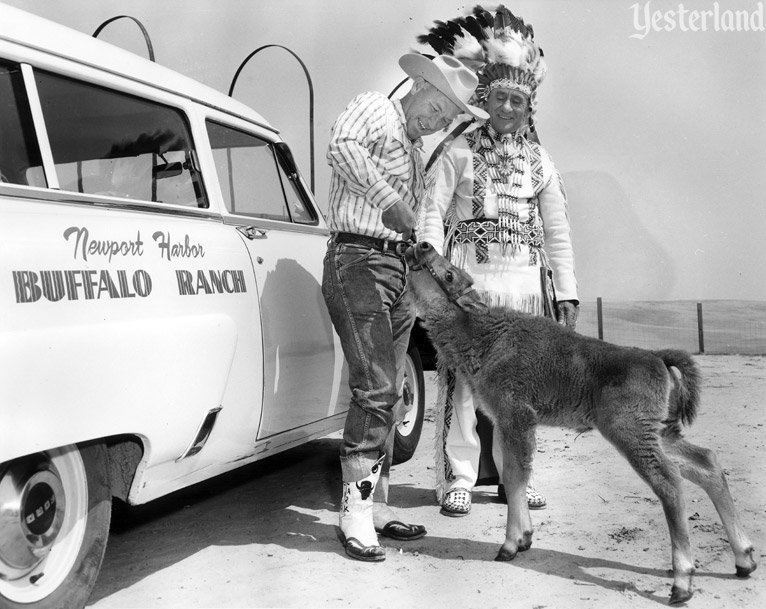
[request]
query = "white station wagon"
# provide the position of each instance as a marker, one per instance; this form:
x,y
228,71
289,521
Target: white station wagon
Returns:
x,y
162,319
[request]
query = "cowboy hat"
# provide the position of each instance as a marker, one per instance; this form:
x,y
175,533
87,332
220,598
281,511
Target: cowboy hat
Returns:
x,y
448,75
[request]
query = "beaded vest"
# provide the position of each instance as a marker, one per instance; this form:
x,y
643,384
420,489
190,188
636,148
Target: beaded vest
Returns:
x,y
499,163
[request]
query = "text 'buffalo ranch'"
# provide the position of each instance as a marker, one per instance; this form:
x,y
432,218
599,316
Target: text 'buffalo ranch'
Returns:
x,y
32,286
89,284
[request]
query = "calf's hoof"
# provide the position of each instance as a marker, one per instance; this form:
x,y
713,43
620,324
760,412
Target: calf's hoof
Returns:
x,y
748,569
678,596
745,572
526,542
504,555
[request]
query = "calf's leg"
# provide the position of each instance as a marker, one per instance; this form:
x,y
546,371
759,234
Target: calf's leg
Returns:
x,y
700,466
637,439
516,428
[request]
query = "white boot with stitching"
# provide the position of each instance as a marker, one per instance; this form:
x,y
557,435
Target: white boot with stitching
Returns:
x,y
356,522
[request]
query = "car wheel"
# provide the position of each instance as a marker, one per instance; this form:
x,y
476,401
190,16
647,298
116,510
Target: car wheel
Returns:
x,y
55,510
414,394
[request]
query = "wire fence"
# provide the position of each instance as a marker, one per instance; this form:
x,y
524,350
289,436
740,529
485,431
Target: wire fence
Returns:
x,y
713,327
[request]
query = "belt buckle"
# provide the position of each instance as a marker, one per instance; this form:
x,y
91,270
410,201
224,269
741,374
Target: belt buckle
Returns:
x,y
400,247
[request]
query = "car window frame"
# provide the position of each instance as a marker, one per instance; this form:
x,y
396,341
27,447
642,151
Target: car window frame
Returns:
x,y
236,122
288,175
31,60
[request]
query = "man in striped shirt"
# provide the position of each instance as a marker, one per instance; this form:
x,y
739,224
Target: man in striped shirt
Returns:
x,y
378,184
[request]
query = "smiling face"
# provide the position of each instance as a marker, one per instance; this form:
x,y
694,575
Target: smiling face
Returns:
x,y
508,109
427,110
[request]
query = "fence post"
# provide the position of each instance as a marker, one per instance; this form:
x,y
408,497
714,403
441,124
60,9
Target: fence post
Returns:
x,y
700,331
600,316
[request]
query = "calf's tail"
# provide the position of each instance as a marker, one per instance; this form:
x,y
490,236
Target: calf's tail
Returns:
x,y
684,398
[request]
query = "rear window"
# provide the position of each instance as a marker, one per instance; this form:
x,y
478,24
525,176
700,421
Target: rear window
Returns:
x,y
110,143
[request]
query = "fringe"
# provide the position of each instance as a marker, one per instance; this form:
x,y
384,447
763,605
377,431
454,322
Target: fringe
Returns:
x,y
527,303
445,386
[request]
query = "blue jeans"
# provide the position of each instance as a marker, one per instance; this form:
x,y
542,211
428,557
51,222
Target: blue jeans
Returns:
x,y
373,314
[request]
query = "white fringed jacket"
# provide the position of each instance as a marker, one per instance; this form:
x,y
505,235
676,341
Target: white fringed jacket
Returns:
x,y
463,204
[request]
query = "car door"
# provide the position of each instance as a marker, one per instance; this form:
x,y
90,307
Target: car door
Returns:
x,y
129,293
303,366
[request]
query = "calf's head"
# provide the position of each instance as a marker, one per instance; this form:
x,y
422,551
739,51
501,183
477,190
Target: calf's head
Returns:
x,y
433,280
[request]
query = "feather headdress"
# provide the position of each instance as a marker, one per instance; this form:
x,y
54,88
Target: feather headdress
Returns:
x,y
499,47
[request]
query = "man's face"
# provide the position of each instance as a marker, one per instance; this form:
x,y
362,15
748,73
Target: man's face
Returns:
x,y
508,109
428,110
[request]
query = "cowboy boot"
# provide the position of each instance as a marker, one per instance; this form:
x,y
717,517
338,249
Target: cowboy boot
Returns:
x,y
356,525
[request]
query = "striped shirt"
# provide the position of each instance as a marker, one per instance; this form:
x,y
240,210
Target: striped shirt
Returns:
x,y
374,165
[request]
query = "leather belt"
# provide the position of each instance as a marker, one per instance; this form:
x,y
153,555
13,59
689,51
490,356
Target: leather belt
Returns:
x,y
385,246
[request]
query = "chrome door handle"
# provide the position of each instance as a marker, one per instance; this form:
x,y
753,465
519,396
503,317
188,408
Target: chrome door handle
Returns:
x,y
253,233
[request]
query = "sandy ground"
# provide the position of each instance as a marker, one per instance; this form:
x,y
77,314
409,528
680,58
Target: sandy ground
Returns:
x,y
265,536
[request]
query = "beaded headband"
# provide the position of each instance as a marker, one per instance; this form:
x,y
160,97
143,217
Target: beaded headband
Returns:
x,y
507,83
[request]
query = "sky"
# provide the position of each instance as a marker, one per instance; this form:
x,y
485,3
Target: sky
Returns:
x,y
653,111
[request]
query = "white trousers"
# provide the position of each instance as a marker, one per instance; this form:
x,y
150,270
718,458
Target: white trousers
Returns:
x,y
462,447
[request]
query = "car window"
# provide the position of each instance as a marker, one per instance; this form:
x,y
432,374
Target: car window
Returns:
x,y
18,143
257,178
110,143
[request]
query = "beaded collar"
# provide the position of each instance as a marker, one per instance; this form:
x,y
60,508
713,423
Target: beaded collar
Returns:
x,y
503,155
499,164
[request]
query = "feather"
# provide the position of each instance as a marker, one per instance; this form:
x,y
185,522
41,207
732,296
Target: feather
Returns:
x,y
469,50
438,38
486,21
454,28
472,25
442,36
507,51
484,17
502,20
438,44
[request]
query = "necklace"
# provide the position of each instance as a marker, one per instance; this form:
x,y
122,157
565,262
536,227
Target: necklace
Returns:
x,y
503,154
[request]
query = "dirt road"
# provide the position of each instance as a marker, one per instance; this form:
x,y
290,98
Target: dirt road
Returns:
x,y
265,536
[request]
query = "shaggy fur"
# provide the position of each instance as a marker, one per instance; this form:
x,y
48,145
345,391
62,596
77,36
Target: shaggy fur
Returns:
x,y
525,370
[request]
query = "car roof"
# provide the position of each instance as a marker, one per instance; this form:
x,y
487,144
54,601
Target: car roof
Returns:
x,y
38,33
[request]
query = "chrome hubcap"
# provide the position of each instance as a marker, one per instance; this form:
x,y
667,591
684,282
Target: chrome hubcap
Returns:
x,y
409,395
43,518
32,507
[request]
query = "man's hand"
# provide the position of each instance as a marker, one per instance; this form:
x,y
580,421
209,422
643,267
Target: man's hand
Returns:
x,y
399,217
568,312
